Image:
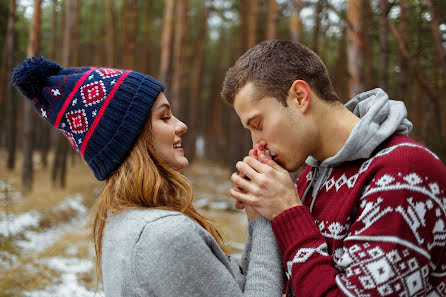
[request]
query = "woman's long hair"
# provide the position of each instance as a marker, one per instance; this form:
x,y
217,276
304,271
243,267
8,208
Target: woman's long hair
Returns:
x,y
144,181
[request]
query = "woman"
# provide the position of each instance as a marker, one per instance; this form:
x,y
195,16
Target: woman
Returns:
x,y
148,238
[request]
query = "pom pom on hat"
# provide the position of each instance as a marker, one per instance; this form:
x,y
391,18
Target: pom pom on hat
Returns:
x,y
31,76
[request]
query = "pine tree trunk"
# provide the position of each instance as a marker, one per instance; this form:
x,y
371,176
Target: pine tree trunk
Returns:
x,y
179,58
216,142
12,102
111,33
271,30
355,47
404,71
76,40
369,73
296,23
128,33
28,115
166,40
252,22
195,96
383,45
243,27
317,26
147,49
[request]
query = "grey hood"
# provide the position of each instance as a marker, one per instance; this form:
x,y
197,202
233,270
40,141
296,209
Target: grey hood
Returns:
x,y
379,116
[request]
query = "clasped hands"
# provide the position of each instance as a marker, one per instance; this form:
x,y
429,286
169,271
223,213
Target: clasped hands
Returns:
x,y
263,187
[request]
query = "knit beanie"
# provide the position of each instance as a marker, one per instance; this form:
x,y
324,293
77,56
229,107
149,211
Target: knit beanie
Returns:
x,y
100,110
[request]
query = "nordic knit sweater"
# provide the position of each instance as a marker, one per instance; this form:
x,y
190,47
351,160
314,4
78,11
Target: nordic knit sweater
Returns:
x,y
374,226
152,252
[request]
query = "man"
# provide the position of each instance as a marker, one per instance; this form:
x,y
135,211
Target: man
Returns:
x,y
367,215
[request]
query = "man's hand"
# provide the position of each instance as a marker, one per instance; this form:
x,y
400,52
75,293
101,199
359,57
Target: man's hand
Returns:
x,y
269,190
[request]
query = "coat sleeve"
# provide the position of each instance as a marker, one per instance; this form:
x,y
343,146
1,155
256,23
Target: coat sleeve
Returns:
x,y
394,247
175,257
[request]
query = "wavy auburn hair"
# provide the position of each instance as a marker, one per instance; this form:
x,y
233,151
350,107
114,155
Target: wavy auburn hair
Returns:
x,y
144,181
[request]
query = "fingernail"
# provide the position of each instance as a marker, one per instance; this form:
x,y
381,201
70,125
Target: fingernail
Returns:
x,y
255,153
260,147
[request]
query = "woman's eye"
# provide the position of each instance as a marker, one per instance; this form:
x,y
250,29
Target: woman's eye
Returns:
x,y
165,118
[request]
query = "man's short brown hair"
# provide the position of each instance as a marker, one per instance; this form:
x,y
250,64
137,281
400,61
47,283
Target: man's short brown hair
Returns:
x,y
273,66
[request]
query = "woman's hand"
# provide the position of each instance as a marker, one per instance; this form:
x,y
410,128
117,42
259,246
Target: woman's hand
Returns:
x,y
250,211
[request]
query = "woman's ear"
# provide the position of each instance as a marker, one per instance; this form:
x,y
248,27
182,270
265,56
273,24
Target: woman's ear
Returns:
x,y
299,95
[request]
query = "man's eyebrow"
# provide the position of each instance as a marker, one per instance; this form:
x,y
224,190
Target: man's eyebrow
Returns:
x,y
163,105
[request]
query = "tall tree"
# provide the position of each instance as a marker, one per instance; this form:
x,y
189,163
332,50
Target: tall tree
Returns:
x,y
216,139
252,22
197,76
127,52
111,33
384,8
12,102
76,38
404,75
317,25
296,23
28,115
355,47
143,64
180,55
242,38
166,39
340,79
271,29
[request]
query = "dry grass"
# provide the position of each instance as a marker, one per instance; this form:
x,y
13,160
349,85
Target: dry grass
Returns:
x,y
28,273
44,195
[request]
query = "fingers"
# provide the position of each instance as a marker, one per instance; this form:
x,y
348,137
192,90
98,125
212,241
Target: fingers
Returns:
x,y
256,165
240,196
242,183
245,169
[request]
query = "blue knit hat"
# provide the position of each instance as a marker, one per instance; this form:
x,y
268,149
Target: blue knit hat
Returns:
x,y
100,110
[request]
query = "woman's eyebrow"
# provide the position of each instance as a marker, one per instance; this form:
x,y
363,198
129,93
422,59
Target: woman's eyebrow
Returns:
x,y
163,105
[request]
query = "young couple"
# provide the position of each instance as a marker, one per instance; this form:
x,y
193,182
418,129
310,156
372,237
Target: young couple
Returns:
x,y
367,217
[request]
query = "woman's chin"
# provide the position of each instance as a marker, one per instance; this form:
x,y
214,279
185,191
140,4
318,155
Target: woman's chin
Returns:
x,y
181,164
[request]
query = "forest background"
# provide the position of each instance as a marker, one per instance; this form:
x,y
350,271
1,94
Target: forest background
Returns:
x,y
399,46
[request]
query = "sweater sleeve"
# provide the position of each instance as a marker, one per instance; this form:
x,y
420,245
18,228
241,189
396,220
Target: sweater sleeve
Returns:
x,y
394,247
175,257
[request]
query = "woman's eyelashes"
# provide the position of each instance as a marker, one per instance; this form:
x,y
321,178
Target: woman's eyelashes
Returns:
x,y
165,117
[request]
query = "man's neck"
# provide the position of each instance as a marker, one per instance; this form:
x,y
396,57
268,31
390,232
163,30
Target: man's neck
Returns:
x,y
335,124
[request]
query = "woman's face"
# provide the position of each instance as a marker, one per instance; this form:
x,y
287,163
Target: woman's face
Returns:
x,y
166,133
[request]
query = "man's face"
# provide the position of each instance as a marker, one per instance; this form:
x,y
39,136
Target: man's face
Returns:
x,y
280,129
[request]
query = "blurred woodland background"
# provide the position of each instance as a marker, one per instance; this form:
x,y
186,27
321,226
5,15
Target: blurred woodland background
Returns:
x,y
46,191
189,44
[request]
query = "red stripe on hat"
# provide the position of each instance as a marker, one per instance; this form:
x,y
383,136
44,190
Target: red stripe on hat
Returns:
x,y
102,110
70,97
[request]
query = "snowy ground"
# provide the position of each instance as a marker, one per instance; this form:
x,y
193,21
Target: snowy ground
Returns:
x,y
59,255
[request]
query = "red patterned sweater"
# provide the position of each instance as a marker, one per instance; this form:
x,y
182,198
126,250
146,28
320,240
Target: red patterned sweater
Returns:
x,y
376,228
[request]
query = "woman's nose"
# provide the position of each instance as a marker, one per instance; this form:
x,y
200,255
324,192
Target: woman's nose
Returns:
x,y
180,128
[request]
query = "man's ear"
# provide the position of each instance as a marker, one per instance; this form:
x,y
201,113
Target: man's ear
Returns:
x,y
299,95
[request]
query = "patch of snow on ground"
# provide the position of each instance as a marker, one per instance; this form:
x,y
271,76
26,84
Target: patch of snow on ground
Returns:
x,y
70,286
14,224
39,241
